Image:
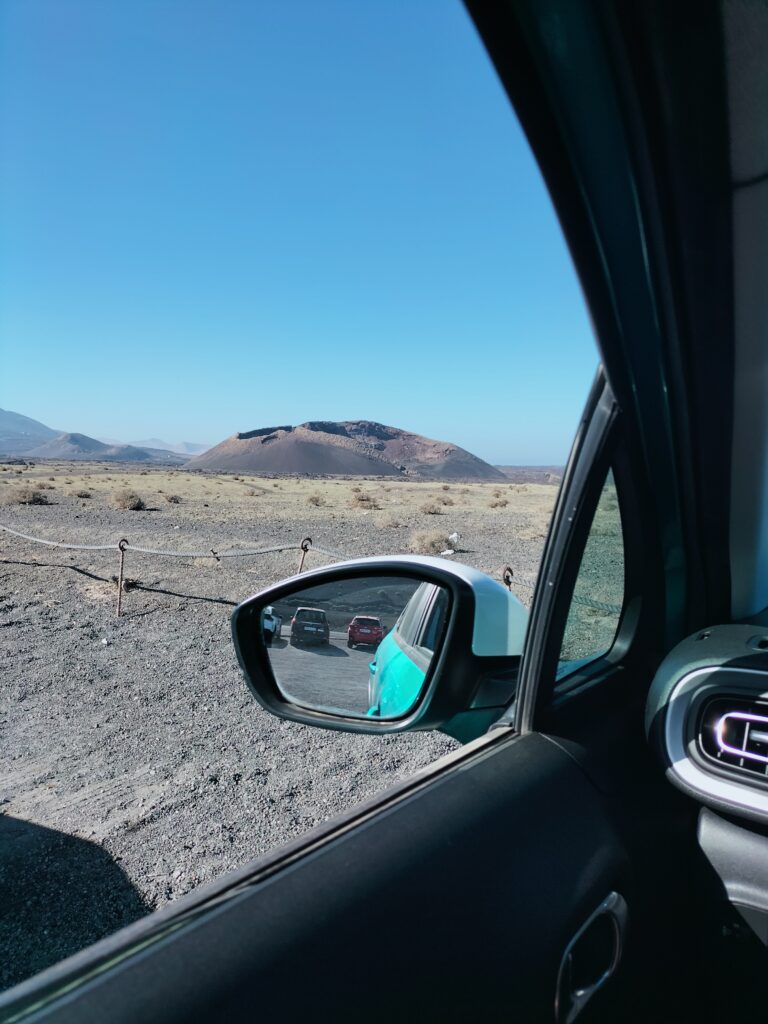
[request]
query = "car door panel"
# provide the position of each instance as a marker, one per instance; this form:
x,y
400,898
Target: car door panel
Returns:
x,y
453,903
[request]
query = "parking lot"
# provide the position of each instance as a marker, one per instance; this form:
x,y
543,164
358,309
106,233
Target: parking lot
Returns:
x,y
330,676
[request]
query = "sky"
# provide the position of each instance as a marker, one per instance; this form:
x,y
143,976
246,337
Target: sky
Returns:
x,y
219,215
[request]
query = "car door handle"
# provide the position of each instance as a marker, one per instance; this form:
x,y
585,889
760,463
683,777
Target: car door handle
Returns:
x,y
591,958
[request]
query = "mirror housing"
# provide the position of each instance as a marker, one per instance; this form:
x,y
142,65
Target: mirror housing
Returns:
x,y
473,673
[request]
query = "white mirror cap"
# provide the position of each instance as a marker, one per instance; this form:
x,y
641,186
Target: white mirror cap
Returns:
x,y
501,619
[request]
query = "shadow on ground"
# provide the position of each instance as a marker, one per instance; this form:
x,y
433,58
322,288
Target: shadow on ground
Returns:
x,y
135,585
58,894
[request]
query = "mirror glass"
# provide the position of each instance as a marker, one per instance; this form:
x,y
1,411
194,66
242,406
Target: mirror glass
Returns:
x,y
359,647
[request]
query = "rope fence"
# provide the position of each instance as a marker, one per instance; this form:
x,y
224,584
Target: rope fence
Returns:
x,y
123,546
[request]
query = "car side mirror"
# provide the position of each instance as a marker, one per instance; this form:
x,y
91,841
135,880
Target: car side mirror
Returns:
x,y
383,645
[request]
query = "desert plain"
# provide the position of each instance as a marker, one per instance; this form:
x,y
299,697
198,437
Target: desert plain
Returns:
x,y
135,765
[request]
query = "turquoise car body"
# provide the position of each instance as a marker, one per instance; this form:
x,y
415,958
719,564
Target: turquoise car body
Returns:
x,y
398,679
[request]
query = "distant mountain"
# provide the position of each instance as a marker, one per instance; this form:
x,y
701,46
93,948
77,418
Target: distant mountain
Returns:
x,y
81,448
354,447
533,474
181,447
19,434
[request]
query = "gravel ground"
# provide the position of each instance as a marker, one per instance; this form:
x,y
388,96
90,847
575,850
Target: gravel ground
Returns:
x,y
135,765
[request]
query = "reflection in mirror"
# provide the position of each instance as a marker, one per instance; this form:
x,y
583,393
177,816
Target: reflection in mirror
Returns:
x,y
359,647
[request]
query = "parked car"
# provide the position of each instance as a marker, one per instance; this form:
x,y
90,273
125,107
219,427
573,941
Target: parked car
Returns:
x,y
364,629
596,853
309,626
272,625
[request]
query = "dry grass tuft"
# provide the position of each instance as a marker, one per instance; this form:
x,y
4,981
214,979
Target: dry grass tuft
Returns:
x,y
428,542
173,499
128,500
316,499
26,495
431,509
83,494
498,503
389,521
365,501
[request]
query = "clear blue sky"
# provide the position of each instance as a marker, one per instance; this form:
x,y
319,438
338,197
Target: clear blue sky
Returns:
x,y
225,214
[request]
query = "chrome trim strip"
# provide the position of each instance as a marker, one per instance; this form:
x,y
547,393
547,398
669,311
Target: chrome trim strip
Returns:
x,y
740,797
742,751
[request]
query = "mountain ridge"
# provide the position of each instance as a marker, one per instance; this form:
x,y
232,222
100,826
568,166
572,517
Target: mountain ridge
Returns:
x,y
344,447
82,448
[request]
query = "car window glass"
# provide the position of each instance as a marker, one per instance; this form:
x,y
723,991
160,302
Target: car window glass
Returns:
x,y
411,618
432,628
243,225
598,595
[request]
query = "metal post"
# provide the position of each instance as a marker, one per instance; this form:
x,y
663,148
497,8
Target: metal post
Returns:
x,y
305,546
122,545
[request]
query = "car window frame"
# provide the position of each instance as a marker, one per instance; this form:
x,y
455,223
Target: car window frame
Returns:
x,y
600,445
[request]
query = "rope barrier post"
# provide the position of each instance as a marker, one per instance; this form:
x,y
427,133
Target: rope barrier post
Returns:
x,y
121,545
305,546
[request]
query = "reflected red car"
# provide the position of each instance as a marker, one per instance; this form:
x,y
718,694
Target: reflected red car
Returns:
x,y
364,629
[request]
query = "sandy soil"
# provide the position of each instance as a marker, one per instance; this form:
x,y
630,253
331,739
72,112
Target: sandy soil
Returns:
x,y
135,765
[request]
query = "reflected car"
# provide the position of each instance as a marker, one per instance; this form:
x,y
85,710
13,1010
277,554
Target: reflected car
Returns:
x,y
309,626
272,625
364,629
402,660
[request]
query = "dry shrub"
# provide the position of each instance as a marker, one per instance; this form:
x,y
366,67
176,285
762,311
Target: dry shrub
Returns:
x,y
497,493
389,522
128,582
365,501
356,490
128,500
446,487
316,500
446,501
26,495
430,509
173,499
251,493
83,494
143,472
428,542
44,486
498,503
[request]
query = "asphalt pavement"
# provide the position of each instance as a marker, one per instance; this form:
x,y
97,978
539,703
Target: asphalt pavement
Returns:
x,y
329,676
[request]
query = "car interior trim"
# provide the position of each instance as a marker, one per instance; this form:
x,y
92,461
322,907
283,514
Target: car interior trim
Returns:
x,y
740,798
